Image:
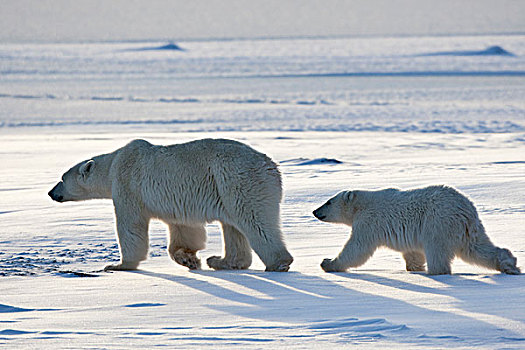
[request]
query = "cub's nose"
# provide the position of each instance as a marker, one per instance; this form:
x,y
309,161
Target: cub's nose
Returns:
x,y
317,215
55,197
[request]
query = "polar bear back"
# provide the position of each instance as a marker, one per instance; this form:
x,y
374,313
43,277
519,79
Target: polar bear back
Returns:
x,y
189,182
403,219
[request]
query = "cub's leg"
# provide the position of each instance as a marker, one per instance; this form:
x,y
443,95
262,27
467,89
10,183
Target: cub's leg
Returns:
x,y
237,251
415,261
439,257
356,252
184,242
481,251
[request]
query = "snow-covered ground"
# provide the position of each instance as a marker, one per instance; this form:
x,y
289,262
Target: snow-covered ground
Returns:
x,y
399,112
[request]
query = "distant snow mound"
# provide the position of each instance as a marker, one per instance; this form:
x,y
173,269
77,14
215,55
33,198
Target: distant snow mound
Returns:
x,y
316,161
167,47
489,51
496,50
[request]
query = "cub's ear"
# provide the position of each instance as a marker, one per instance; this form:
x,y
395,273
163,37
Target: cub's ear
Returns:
x,y
348,196
86,168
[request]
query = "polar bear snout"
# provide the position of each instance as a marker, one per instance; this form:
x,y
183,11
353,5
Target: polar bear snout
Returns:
x,y
56,192
318,214
332,210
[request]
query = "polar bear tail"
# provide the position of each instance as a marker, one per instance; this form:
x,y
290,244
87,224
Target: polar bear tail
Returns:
x,y
481,251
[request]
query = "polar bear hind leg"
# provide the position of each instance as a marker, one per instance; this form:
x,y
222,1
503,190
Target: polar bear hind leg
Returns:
x,y
266,241
415,261
482,252
255,212
261,226
237,251
184,242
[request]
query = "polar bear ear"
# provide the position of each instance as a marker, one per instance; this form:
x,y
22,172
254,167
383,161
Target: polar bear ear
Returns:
x,y
86,168
348,196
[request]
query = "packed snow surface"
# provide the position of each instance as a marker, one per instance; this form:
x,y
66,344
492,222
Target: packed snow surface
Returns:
x,y
335,114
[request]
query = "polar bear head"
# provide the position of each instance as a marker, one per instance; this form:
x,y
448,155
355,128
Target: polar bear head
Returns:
x,y
81,182
338,209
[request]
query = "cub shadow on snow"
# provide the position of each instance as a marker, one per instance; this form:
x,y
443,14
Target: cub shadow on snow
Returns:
x,y
457,286
460,288
318,303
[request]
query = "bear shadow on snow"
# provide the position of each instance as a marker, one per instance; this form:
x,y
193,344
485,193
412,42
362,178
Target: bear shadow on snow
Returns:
x,y
311,299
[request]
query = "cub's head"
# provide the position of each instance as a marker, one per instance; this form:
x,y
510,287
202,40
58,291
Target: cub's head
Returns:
x,y
338,209
77,184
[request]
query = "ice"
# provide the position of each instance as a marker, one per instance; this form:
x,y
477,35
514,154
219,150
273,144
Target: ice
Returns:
x,y
489,51
317,161
169,47
336,114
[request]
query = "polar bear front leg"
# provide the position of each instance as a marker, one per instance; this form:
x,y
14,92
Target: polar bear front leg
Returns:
x,y
355,253
133,240
415,261
237,251
185,241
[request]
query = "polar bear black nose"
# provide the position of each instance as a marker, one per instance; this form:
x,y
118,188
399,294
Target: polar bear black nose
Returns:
x,y
317,215
54,196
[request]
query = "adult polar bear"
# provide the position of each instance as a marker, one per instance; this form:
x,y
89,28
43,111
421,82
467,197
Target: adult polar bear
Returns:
x,y
186,186
434,223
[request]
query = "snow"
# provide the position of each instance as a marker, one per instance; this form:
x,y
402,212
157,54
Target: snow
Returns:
x,y
64,103
491,51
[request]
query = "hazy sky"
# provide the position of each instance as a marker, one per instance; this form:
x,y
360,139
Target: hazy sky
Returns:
x,y
102,20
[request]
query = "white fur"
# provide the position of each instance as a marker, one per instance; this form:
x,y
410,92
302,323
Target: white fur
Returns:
x,y
434,223
186,186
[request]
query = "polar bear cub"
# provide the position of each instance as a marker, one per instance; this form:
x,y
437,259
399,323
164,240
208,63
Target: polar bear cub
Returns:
x,y
186,186
434,223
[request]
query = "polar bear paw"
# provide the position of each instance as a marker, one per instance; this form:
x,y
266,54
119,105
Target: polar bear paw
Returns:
x,y
187,258
279,268
124,266
330,265
281,265
218,263
507,262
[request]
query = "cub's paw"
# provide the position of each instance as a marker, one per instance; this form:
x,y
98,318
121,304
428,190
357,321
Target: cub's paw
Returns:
x,y
187,258
415,268
507,262
511,270
329,265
